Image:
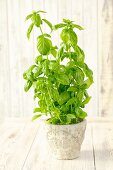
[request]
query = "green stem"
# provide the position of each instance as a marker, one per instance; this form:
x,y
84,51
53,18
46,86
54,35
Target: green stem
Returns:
x,y
41,30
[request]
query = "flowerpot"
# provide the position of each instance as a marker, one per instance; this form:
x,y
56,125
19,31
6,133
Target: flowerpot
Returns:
x,y
65,140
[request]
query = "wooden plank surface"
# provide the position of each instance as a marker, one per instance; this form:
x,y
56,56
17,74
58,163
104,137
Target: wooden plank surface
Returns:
x,y
23,146
41,158
90,46
103,145
16,138
4,62
105,59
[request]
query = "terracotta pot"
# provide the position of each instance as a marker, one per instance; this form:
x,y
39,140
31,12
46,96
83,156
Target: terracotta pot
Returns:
x,y
65,140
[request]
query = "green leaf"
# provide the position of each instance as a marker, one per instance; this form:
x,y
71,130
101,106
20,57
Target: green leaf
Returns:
x,y
53,65
46,35
53,120
78,27
36,110
29,30
67,21
72,88
79,55
64,97
71,101
60,53
78,75
43,45
81,114
57,26
62,78
69,37
35,117
55,94
56,111
53,52
80,95
88,71
27,85
36,19
28,17
70,117
48,23
45,67
38,59
43,106
37,71
41,11
86,100
88,82
25,75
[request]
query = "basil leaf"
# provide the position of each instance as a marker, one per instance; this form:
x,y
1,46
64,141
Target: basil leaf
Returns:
x,y
67,21
35,117
63,97
27,85
41,11
71,101
78,75
78,27
28,17
57,26
70,117
48,23
29,30
36,19
43,45
36,110
81,114
62,78
72,88
69,37
46,35
86,100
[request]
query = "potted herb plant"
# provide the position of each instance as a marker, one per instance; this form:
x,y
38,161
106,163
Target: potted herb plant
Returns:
x,y
60,87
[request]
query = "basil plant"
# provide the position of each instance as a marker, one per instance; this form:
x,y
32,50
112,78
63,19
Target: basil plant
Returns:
x,y
60,87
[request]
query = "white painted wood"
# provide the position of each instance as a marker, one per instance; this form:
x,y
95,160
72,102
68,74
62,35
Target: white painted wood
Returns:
x,y
103,145
90,46
14,41
52,9
26,55
20,54
23,146
105,35
37,5
16,139
4,63
17,53
41,158
77,16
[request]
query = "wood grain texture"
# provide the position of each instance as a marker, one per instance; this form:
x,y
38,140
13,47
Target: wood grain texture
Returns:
x,y
16,139
103,145
90,46
17,53
41,158
4,62
23,146
105,21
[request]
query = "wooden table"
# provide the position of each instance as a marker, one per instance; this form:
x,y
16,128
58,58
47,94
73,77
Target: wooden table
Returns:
x,y
23,147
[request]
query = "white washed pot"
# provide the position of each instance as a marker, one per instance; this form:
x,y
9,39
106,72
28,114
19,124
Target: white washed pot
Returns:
x,y
65,140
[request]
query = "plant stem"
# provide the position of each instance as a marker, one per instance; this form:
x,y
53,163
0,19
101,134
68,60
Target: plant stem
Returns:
x,y
41,30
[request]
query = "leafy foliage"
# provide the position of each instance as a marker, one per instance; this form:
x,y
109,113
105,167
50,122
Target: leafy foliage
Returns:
x,y
61,89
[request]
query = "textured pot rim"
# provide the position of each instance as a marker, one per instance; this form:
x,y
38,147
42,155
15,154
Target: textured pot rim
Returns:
x,y
76,124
